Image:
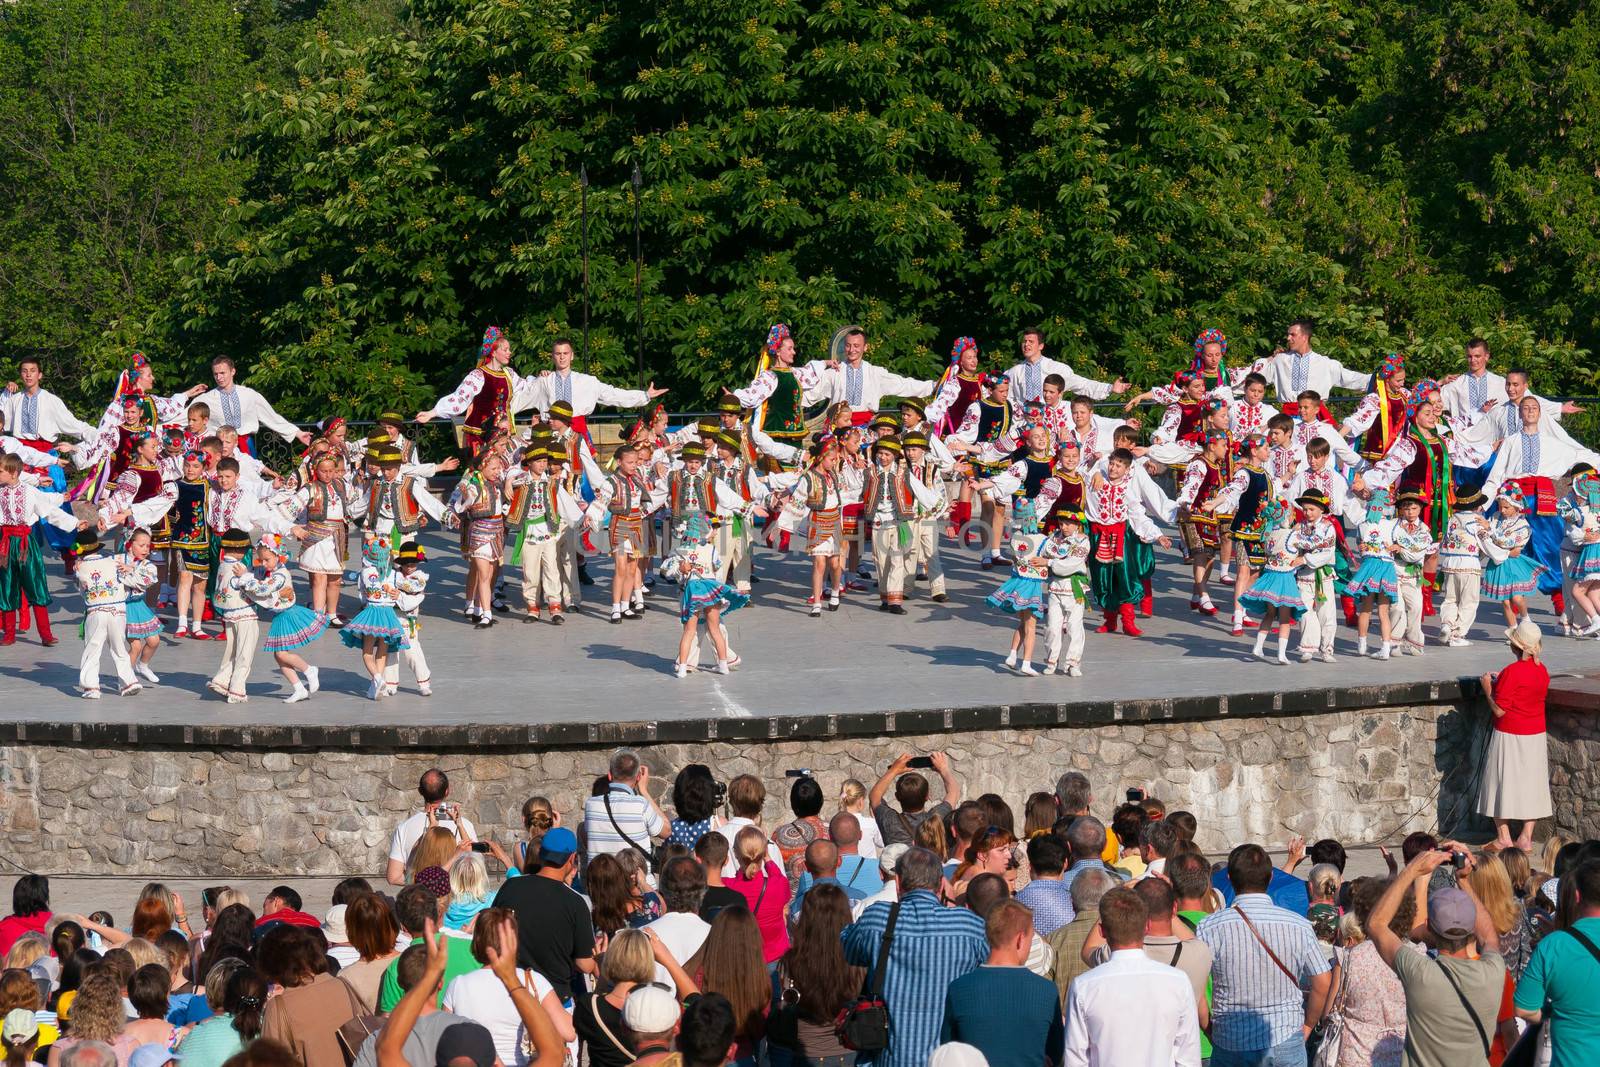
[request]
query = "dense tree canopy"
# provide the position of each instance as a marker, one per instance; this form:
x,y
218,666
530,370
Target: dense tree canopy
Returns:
x,y
369,183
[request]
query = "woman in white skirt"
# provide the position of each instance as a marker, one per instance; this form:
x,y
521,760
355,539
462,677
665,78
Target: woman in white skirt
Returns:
x,y
1516,773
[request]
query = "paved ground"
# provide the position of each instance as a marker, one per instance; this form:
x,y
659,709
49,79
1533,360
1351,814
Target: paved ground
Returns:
x,y
858,659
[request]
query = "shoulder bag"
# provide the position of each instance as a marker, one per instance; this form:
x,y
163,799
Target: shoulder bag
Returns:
x,y
1322,1047
1525,1053
651,856
863,1025
1265,947
361,1025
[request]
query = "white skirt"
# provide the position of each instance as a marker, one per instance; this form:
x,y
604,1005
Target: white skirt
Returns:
x,y
322,557
1516,777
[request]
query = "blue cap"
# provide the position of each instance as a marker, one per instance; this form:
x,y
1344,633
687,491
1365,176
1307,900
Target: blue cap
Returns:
x,y
557,844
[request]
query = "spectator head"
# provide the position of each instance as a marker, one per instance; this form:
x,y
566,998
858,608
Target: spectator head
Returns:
x,y
290,955
1158,839
150,919
1190,875
412,963
27,950
97,1012
930,834
1587,879
889,858
706,1032
436,847
852,794
88,1054
348,889
996,812
1088,887
1122,919
30,895
610,892
414,906
1127,823
434,786
683,884
1452,917
148,989
1038,814
750,851
1514,860
1047,857
917,868
1185,823
142,952
1087,838
822,859
216,982
1417,843
486,931
735,967
1072,793
281,898
1327,851
436,878
985,892
805,797
469,878
651,1012
1154,810
66,938
370,925
628,958
957,1054
1009,929
694,793
1323,883
1160,904
245,999
19,990
712,850
624,766
911,792
538,816
967,822
558,852
844,830
119,964
465,1045
1249,869
176,948
746,796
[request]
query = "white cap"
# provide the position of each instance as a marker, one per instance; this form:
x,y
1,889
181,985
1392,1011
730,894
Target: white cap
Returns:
x,y
333,926
650,1009
891,855
957,1054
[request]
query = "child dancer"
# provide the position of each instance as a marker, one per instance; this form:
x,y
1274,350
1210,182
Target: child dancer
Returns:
x,y
694,566
539,509
143,629
629,497
410,588
1581,510
1067,551
1461,567
480,501
1511,574
1116,509
1376,582
1243,497
1276,593
324,504
817,489
890,507
1022,594
377,630
1413,544
22,550
294,627
1203,479
105,598
191,543
1315,543
239,625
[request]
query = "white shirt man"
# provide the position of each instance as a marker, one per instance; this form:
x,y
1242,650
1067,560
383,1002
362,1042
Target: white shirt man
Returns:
x,y
1027,378
858,383
34,414
584,392
1297,369
1132,1012
410,831
242,407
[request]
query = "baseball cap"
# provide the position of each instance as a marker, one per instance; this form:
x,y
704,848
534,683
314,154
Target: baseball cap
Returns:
x,y
890,855
557,844
650,1009
19,1026
463,1041
152,1055
1451,913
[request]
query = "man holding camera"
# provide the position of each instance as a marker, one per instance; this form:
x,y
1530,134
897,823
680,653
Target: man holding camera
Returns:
x,y
1453,999
434,787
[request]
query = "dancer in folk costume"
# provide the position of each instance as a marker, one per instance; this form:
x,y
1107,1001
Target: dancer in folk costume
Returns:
x,y
1249,414
395,503
139,497
1316,474
1376,582
1275,594
191,543
1316,544
1066,552
142,629
479,501
958,392
1063,492
628,496
1183,425
483,399
135,388
539,509
1243,497
293,627
22,577
733,524
1201,530
239,622
986,430
1461,567
890,504
580,392
1208,369
927,461
411,585
1414,546
817,489
1093,432
322,509
781,392
105,597
1420,461
1580,510
1023,594
1513,571
1310,426
377,630
1381,416
694,566
1161,509
1115,508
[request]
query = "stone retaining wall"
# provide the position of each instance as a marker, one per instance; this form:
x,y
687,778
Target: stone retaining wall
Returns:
x,y
1356,775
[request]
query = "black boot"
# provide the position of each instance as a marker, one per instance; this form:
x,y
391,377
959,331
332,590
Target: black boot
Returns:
x,y
583,573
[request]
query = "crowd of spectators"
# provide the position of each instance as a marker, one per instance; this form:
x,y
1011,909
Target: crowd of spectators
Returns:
x,y
694,936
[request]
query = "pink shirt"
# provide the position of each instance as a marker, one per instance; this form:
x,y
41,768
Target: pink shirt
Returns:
x,y
768,897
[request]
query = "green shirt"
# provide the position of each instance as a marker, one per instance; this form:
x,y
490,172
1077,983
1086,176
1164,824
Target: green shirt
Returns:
x,y
1564,975
458,960
1194,918
211,1043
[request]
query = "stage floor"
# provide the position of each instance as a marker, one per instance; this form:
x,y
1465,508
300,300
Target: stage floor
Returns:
x,y
856,660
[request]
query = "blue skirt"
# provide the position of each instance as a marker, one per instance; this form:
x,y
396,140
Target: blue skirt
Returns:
x,y
1274,589
1545,548
294,628
1019,595
1376,577
142,622
1517,576
1586,568
702,593
379,621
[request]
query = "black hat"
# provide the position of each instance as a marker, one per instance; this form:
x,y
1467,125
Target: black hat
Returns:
x,y
465,1041
1470,499
236,541
88,541
730,404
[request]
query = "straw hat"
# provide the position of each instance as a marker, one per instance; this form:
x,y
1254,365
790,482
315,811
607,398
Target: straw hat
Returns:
x,y
1525,636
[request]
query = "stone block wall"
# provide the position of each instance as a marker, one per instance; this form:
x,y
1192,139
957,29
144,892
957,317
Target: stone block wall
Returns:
x,y
1575,772
1356,775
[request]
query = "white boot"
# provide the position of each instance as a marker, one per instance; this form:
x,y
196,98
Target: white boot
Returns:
x,y
300,693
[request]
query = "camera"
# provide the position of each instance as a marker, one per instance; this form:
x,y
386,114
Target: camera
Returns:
x,y
720,791
921,763
1135,795
799,772
1458,860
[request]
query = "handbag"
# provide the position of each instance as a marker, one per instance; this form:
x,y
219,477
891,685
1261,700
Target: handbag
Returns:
x,y
652,855
863,1025
354,1031
1322,1047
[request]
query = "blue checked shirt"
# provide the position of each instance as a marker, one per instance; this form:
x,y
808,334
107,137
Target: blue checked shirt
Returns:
x,y
1051,902
933,946
1254,1005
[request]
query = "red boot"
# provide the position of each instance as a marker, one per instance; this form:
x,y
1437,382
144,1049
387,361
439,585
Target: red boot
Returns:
x,y
41,621
209,615
1427,601
8,628
1147,604
1558,602
1110,625
69,560
1129,627
22,611
1348,603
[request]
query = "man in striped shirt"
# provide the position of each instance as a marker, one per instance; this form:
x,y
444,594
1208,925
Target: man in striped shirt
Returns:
x,y
1266,962
626,815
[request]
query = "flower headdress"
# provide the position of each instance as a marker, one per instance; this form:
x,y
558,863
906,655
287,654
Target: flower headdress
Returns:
x,y
491,337
962,345
776,337
127,381
1421,393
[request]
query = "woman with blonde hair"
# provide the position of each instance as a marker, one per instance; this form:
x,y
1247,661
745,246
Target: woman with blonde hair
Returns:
x,y
469,892
437,847
1492,885
630,962
930,834
97,1015
853,799
765,889
27,950
173,903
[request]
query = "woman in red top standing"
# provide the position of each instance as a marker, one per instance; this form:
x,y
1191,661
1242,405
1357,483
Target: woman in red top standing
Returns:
x,y
1516,773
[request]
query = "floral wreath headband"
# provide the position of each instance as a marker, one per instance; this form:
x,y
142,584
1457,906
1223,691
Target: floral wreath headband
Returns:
x,y
1421,393
962,346
491,337
776,336
1209,337
1392,362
